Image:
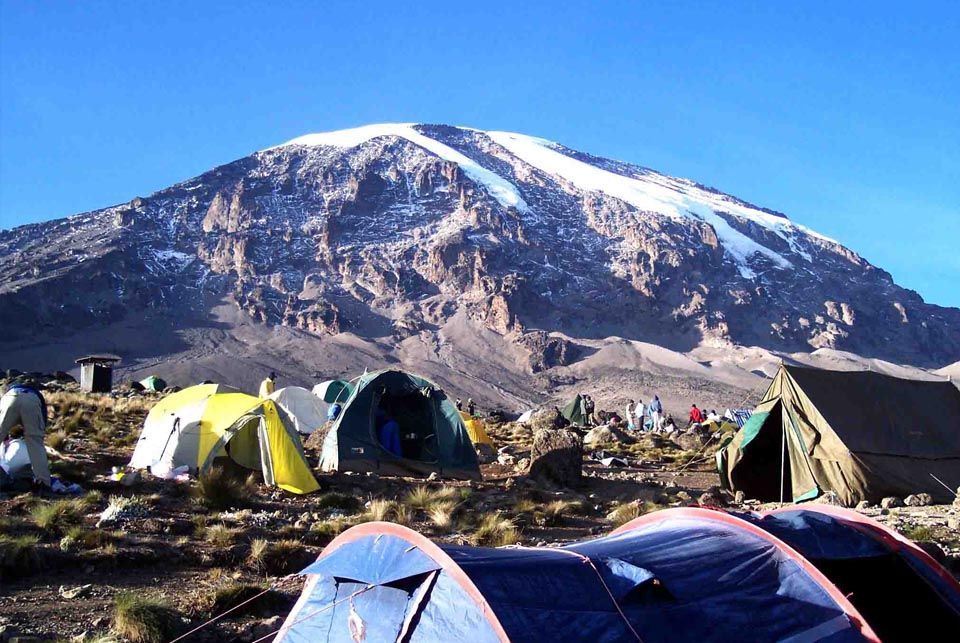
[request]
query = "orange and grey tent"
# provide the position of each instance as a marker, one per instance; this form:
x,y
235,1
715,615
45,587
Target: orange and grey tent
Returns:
x,y
685,574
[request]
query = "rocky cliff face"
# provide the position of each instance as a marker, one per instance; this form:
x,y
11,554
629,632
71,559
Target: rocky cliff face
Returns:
x,y
390,230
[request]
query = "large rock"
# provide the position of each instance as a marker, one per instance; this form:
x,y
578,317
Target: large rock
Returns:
x,y
918,500
692,439
606,435
890,502
557,457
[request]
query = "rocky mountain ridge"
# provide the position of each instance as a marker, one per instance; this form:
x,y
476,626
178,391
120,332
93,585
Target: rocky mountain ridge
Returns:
x,y
390,231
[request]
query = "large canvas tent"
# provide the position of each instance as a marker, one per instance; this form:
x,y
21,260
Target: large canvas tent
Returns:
x,y
676,575
432,434
195,426
305,410
861,435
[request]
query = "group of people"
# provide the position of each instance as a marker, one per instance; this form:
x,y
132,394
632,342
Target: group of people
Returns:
x,y
648,417
701,416
471,406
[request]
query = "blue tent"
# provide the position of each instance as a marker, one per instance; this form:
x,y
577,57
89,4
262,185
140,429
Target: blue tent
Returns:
x,y
674,575
883,574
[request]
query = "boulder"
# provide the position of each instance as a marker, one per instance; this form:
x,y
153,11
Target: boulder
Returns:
x,y
956,499
740,497
890,502
557,456
863,504
709,499
692,439
918,500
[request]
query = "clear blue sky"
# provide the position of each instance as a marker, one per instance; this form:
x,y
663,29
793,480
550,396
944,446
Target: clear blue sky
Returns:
x,y
844,115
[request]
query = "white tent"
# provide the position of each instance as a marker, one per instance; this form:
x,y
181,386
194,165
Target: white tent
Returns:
x,y
526,416
307,411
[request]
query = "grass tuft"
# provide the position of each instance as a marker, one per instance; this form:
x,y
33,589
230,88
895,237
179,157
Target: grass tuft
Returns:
x,y
423,498
220,535
218,489
277,558
57,517
18,555
333,500
441,514
494,530
141,619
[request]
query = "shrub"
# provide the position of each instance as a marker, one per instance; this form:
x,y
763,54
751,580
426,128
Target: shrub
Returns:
x,y
57,516
495,531
217,489
80,538
333,500
554,512
918,532
18,555
142,619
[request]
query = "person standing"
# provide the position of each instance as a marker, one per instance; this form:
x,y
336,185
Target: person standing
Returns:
x,y
459,404
656,412
638,413
628,415
590,406
471,407
696,416
268,385
24,405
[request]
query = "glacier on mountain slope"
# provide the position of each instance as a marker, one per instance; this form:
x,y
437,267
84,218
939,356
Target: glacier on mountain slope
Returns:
x,y
675,198
503,191
642,193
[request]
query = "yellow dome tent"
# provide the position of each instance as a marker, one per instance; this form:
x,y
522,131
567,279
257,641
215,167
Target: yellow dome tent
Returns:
x,y
198,424
476,429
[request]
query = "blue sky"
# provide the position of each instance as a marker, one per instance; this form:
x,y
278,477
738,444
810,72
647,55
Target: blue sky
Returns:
x,y
845,116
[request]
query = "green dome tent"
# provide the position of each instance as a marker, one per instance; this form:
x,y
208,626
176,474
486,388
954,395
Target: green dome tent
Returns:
x,y
153,383
572,411
432,434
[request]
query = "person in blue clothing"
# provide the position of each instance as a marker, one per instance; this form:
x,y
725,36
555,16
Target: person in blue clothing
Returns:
x,y
23,404
388,432
656,413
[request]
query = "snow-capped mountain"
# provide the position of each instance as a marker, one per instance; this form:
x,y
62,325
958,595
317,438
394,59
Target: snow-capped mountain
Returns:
x,y
390,231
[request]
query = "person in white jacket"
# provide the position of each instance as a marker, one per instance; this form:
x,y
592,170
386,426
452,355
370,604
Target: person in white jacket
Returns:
x,y
639,412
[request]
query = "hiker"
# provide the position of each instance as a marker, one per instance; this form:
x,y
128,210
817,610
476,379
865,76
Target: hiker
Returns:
x,y
629,414
696,416
713,416
471,407
459,404
590,407
669,426
656,410
268,385
639,413
23,404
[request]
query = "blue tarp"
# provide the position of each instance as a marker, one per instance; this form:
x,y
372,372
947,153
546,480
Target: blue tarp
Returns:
x,y
680,579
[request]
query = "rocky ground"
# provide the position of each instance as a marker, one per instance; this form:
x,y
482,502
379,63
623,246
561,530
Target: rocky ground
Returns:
x,y
89,566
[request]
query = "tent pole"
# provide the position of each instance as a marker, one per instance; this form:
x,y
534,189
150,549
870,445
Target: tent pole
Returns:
x,y
783,461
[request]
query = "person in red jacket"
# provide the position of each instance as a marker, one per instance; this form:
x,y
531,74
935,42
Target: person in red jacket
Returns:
x,y
696,415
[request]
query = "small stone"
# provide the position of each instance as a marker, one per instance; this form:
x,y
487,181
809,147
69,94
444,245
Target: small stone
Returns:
x,y
890,502
740,497
683,496
433,476
863,504
953,523
711,500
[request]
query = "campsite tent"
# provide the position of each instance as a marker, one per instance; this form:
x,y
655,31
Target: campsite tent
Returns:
x,y
572,411
153,383
305,410
333,391
198,424
861,435
884,574
681,574
476,429
433,436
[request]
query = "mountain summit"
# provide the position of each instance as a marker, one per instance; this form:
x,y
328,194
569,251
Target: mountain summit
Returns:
x,y
393,231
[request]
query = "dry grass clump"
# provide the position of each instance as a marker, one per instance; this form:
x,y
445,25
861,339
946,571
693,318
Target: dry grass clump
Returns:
x,y
555,512
423,498
493,530
18,555
56,440
344,502
277,558
625,512
78,538
919,533
331,527
59,516
381,509
220,535
74,423
141,619
442,514
216,488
